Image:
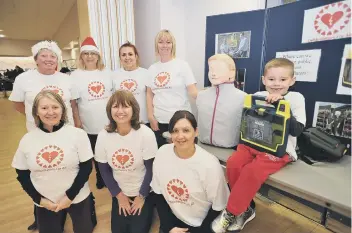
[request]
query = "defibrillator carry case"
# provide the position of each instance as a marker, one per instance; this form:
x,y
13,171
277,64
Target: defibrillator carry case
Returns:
x,y
264,126
316,145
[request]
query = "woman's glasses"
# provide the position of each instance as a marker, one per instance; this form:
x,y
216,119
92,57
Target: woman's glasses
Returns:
x,y
89,54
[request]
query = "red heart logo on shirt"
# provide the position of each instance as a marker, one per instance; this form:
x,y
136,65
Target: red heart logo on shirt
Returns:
x,y
50,156
128,85
96,89
178,191
123,159
161,79
330,19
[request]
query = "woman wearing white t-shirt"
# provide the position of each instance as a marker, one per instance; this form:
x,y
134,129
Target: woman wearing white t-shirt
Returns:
x,y
132,77
189,185
125,152
171,82
28,84
94,85
53,163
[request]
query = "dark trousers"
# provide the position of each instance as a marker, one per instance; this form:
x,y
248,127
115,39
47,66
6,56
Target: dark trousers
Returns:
x,y
93,141
50,222
204,228
159,134
132,223
63,220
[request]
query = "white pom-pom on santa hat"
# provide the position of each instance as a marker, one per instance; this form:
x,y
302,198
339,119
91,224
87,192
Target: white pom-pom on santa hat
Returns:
x,y
89,45
49,45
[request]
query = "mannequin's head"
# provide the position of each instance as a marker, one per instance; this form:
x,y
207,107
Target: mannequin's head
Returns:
x,y
222,69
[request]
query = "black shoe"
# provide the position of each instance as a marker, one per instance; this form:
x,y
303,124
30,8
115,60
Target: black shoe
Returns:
x,y
100,184
33,226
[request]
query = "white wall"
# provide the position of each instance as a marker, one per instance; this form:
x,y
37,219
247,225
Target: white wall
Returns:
x,y
186,19
172,14
147,25
12,47
69,28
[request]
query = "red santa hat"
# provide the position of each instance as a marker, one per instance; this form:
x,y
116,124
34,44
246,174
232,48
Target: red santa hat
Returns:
x,y
89,45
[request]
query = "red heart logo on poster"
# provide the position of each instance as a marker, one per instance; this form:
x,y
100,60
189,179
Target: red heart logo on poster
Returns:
x,y
96,89
50,156
161,79
330,19
122,159
128,85
178,191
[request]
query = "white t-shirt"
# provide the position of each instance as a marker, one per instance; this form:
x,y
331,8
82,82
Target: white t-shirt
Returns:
x,y
169,83
134,81
190,186
28,84
94,89
126,155
53,159
298,108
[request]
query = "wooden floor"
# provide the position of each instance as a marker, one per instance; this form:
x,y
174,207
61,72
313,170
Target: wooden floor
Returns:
x,y
16,207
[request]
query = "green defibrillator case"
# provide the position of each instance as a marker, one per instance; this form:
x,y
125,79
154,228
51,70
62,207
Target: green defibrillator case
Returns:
x,y
265,126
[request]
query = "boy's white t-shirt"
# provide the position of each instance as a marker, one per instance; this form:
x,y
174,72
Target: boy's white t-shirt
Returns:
x,y
134,81
126,155
94,89
28,84
169,83
190,186
53,159
298,109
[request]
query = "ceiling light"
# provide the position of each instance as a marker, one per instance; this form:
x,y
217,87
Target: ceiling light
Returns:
x,y
2,35
1,30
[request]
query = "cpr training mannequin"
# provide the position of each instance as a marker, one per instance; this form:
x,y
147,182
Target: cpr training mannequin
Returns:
x,y
220,106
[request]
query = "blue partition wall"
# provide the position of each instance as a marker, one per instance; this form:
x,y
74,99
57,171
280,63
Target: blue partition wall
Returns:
x,y
284,33
246,21
280,29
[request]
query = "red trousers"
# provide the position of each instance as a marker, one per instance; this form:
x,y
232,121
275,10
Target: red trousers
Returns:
x,y
247,169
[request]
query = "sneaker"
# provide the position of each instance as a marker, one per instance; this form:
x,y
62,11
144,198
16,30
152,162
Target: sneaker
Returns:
x,y
222,222
242,220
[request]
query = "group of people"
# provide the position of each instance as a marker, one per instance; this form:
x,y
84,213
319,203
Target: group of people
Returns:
x,y
117,119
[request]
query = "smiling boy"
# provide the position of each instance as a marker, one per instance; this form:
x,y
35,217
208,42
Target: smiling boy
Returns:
x,y
247,169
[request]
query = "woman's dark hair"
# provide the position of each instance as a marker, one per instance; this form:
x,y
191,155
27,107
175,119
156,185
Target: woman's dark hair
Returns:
x,y
130,45
126,99
183,114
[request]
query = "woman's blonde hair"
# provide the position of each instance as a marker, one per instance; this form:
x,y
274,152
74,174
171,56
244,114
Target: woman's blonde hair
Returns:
x,y
165,33
52,96
126,99
80,63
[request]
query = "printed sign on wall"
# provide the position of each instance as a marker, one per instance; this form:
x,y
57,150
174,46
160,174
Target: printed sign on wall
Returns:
x,y
345,84
329,22
306,63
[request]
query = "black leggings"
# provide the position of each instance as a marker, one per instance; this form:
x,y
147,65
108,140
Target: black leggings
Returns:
x,y
159,134
93,141
51,222
131,223
167,218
